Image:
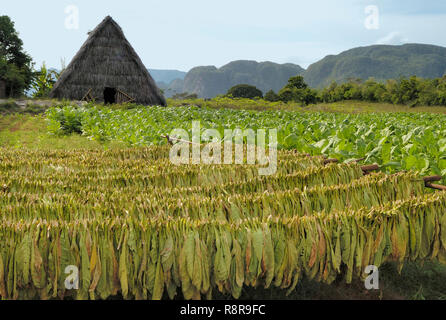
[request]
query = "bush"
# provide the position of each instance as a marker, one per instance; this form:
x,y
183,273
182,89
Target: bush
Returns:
x,y
64,121
245,91
271,96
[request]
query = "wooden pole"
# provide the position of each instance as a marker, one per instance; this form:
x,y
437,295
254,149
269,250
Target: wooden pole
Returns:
x,y
372,167
328,161
367,169
170,140
436,186
432,179
428,184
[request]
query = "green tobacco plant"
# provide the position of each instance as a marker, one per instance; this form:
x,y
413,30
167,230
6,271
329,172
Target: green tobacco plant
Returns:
x,y
396,141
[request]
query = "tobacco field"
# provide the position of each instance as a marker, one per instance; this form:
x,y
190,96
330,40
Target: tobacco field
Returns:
x,y
397,141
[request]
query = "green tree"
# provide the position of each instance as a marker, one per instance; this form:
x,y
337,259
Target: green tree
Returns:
x,y
441,92
296,82
44,81
372,91
245,91
15,64
407,91
298,91
12,76
326,94
271,96
286,95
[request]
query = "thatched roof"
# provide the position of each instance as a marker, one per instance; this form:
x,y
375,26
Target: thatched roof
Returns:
x,y
107,60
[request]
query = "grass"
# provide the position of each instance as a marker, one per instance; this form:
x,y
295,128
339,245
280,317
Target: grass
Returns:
x,y
26,131
417,281
11,107
365,107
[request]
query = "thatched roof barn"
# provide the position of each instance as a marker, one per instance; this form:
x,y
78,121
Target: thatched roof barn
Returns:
x,y
107,69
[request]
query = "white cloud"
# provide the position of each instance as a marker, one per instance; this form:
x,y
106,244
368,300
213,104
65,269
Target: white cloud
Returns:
x,y
394,37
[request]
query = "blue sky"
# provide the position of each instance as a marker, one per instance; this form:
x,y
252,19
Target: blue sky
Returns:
x,y
180,34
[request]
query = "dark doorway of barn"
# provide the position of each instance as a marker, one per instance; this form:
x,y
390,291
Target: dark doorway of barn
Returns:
x,y
109,95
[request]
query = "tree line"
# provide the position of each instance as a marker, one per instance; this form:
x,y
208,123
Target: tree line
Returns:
x,y
411,91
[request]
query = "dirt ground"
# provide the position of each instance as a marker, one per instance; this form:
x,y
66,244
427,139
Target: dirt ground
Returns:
x,y
44,103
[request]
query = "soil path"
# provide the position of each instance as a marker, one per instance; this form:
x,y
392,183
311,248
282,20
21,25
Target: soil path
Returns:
x,y
22,103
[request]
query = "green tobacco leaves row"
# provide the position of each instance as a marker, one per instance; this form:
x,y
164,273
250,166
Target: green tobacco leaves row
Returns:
x,y
156,258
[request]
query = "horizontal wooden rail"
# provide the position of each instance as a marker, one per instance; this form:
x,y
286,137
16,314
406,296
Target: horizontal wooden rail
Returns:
x,y
328,161
369,168
372,167
171,139
366,169
428,184
432,179
436,186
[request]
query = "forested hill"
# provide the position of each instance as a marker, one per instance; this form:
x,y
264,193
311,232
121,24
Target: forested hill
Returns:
x,y
166,76
209,81
379,61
